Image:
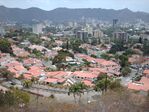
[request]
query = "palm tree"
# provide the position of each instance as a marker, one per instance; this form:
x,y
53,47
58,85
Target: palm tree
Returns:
x,y
77,90
104,83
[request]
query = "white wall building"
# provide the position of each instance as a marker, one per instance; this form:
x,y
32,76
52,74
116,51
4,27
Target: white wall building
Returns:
x,y
37,28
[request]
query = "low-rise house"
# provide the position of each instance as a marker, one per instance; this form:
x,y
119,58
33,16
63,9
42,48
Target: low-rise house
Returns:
x,y
111,67
36,71
142,85
51,54
98,70
5,59
82,75
59,43
38,48
27,76
88,83
20,52
32,61
58,74
61,76
135,59
57,48
51,81
146,73
70,81
16,67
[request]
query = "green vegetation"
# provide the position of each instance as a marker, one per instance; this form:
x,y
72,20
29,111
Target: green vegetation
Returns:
x,y
77,89
117,47
105,56
125,71
74,44
94,56
14,97
108,32
60,59
34,39
4,73
146,47
5,46
123,60
86,63
104,82
128,52
27,83
37,53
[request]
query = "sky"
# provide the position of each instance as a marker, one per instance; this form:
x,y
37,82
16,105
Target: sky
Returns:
x,y
135,5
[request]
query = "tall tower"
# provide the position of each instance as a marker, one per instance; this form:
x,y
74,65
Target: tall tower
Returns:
x,y
115,21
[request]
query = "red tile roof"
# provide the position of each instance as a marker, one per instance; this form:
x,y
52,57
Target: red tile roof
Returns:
x,y
84,74
143,85
88,83
146,72
36,71
27,76
51,80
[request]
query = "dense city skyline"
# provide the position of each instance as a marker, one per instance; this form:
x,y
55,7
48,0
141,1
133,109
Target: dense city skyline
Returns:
x,y
134,5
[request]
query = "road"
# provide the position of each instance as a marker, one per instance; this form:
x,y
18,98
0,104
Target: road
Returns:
x,y
126,80
64,97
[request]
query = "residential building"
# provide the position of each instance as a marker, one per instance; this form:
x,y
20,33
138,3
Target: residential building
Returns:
x,y
120,37
2,31
82,35
97,33
37,28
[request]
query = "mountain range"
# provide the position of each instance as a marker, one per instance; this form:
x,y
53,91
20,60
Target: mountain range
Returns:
x,y
66,14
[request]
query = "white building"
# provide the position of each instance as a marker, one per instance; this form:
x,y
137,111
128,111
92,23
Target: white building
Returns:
x,y
2,31
37,28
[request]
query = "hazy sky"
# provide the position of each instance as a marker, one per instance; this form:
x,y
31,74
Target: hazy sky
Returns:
x,y
136,5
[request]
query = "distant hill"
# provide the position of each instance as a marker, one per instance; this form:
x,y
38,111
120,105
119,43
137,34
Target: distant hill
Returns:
x,y
65,14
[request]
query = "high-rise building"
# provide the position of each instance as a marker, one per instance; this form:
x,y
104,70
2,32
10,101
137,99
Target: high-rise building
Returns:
x,y
97,33
82,35
89,29
115,21
2,31
120,36
37,28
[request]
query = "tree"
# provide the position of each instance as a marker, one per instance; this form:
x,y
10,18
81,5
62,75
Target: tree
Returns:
x,y
60,59
105,56
77,89
5,46
27,83
146,47
4,73
86,63
125,71
102,83
128,52
123,60
117,47
37,53
105,82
